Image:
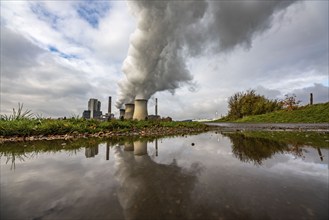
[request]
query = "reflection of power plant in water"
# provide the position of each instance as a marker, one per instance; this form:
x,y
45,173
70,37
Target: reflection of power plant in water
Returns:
x,y
91,151
146,192
129,146
140,148
107,151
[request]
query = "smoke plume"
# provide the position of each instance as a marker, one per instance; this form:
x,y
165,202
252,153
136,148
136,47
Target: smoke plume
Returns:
x,y
168,32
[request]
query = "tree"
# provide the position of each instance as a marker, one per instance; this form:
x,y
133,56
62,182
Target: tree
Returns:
x,y
290,102
249,103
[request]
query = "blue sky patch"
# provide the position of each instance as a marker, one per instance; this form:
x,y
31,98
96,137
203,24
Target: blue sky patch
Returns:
x,y
61,54
44,15
92,11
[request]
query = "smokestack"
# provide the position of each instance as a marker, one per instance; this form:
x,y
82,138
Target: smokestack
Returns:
x,y
122,113
109,111
140,112
129,112
107,151
156,106
311,98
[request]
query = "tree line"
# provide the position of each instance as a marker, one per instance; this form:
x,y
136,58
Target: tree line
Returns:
x,y
250,103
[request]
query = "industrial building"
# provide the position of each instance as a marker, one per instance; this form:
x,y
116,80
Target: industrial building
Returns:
x,y
94,109
135,111
138,110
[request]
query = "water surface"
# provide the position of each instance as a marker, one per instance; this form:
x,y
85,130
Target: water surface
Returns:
x,y
205,176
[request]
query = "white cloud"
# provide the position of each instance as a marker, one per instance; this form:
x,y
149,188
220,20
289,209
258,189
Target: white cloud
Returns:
x,y
55,62
54,66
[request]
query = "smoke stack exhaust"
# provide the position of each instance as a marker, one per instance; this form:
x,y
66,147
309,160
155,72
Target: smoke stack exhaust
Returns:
x,y
129,112
140,112
156,106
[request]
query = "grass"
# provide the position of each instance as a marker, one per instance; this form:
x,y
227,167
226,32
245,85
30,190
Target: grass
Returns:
x,y
29,127
318,113
18,114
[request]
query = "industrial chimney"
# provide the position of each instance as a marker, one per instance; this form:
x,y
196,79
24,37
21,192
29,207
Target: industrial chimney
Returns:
x,y
156,106
109,111
129,112
122,113
311,98
140,112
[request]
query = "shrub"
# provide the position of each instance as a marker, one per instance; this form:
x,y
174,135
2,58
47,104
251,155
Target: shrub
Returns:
x,y
249,103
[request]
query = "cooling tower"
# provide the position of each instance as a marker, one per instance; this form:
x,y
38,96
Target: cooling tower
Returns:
x,y
140,148
140,112
129,112
122,113
129,146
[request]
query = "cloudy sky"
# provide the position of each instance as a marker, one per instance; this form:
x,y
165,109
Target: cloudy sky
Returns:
x,y
55,55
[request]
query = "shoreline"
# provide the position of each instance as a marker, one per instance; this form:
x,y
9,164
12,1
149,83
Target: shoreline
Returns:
x,y
168,131
146,132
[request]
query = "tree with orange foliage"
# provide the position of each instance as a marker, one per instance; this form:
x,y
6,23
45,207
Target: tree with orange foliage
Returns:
x,y
290,102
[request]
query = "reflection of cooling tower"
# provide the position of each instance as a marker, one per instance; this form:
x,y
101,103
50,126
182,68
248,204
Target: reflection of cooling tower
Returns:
x,y
140,147
122,113
129,146
129,112
140,112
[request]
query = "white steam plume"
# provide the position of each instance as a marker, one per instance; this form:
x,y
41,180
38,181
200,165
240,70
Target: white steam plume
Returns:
x,y
170,31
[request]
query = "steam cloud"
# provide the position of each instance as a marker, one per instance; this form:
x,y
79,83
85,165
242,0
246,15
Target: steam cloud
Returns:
x,y
170,31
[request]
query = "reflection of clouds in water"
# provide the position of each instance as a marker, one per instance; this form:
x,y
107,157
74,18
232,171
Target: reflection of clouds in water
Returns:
x,y
207,150
149,190
300,167
203,181
56,186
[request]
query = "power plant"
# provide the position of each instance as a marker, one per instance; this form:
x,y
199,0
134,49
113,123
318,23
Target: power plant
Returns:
x,y
135,111
94,109
122,113
129,111
140,112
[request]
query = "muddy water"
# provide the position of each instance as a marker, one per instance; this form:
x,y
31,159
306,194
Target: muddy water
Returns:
x,y
206,176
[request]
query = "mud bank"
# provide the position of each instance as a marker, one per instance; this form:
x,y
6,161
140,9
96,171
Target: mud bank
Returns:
x,y
146,132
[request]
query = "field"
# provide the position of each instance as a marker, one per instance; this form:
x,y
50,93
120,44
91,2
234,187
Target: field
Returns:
x,y
318,113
